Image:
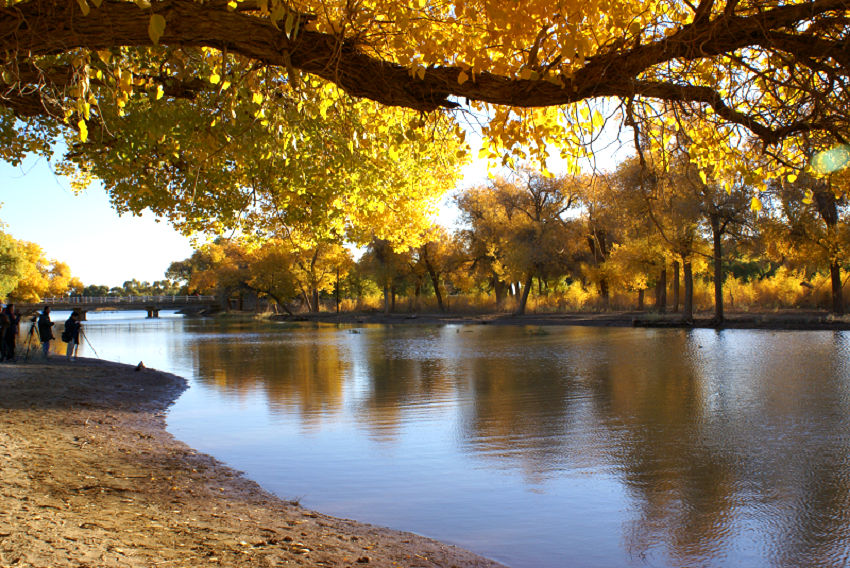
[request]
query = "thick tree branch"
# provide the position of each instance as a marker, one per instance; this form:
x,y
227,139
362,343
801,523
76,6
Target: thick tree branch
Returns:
x,y
43,27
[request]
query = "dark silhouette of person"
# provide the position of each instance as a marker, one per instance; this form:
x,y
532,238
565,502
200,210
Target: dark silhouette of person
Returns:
x,y
71,335
45,330
10,332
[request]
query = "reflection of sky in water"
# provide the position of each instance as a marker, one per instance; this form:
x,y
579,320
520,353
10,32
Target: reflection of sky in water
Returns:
x,y
582,446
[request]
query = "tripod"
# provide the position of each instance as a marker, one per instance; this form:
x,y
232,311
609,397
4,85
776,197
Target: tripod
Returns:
x,y
32,335
86,339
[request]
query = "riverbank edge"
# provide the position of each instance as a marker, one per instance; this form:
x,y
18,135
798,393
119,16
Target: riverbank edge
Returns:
x,y
90,476
780,320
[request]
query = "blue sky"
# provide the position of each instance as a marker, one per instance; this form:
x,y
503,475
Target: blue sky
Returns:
x,y
83,230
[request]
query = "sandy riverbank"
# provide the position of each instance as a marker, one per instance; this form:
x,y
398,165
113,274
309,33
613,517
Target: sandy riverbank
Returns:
x,y
89,477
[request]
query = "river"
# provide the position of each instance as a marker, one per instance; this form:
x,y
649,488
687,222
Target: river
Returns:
x,y
538,447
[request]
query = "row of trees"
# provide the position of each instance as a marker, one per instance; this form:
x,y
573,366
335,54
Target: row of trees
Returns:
x,y
134,287
640,228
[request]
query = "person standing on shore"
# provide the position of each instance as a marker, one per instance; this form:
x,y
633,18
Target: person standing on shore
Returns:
x,y
71,335
4,325
10,332
45,330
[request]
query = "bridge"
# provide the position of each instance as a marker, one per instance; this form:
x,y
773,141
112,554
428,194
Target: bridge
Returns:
x,y
151,304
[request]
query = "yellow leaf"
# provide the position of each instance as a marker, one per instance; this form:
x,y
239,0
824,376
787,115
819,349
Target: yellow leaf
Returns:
x,y
462,78
258,98
755,204
156,27
84,6
215,78
159,92
84,130
420,72
232,4
792,178
704,179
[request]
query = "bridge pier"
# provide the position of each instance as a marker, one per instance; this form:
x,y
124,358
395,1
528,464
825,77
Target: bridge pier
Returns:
x,y
153,312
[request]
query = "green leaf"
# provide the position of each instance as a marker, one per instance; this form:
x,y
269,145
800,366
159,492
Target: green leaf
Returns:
x,y
156,28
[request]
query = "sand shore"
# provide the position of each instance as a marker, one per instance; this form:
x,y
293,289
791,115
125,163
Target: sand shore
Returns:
x,y
89,477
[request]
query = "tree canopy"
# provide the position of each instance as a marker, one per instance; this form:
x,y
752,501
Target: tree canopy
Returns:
x,y
772,69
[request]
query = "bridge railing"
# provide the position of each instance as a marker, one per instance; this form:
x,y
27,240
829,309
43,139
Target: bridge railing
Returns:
x,y
112,300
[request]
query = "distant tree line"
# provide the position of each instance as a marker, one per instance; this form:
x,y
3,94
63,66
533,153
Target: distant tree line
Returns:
x,y
135,288
665,237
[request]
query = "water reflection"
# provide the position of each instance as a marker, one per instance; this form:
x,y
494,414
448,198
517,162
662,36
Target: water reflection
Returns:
x,y
607,447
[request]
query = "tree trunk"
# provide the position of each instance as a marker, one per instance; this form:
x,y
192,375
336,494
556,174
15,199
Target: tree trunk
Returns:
x,y
278,302
661,291
688,308
837,293
675,286
828,209
500,290
435,280
598,244
386,298
336,290
641,294
717,236
524,298
314,293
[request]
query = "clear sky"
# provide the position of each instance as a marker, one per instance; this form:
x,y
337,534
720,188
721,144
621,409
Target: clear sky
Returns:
x,y
84,230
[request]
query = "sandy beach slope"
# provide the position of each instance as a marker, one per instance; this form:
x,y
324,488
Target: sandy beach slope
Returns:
x,y
89,477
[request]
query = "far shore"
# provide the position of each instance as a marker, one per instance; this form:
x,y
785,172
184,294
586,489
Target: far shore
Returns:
x,y
784,319
89,477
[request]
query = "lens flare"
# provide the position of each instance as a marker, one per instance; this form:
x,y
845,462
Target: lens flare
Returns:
x,y
832,160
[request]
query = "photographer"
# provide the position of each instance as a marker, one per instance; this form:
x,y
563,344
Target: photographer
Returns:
x,y
11,322
45,330
71,334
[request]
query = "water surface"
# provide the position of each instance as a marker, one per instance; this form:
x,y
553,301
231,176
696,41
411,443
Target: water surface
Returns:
x,y
595,447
